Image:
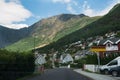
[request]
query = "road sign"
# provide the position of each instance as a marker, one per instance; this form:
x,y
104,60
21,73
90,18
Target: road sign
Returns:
x,y
98,49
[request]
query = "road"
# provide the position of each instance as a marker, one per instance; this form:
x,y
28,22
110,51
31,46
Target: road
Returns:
x,y
60,74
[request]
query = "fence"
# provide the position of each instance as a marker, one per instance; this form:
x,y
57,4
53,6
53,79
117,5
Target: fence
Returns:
x,y
91,67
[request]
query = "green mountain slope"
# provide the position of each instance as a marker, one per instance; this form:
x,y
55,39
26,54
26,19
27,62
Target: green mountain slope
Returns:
x,y
74,25
108,23
51,29
9,36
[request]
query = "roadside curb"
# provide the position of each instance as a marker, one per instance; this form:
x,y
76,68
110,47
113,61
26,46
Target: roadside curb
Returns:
x,y
95,76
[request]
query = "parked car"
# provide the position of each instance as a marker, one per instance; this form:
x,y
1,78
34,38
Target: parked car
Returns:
x,y
115,71
114,63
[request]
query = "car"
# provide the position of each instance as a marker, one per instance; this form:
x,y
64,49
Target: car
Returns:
x,y
114,63
115,71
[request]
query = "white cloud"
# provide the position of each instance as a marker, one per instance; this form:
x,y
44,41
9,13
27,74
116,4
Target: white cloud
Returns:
x,y
16,1
75,3
87,10
62,1
37,17
11,11
69,5
107,9
16,26
70,9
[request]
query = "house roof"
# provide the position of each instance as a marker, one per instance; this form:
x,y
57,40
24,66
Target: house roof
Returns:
x,y
111,40
108,41
68,58
64,55
78,53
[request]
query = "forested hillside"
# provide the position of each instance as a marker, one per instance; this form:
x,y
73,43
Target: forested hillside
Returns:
x,y
9,36
51,29
109,22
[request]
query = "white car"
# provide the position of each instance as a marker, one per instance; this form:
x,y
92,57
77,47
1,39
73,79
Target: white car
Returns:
x,y
114,63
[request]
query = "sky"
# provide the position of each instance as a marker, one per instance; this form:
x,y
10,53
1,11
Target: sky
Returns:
x,y
17,14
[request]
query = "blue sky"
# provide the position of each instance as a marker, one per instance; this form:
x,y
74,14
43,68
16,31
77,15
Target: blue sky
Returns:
x,y
22,13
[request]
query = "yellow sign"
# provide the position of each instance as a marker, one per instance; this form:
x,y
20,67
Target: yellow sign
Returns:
x,y
98,49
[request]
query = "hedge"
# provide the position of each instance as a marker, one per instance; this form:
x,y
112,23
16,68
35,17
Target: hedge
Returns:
x,y
14,65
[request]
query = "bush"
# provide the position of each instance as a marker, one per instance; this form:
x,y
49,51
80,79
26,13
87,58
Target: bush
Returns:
x,y
56,64
109,58
77,63
48,64
92,59
15,64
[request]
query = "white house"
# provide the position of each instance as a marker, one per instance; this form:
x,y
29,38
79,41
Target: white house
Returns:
x,y
77,55
111,44
40,60
66,58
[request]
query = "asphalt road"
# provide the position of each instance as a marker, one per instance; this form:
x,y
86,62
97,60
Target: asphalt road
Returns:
x,y
60,74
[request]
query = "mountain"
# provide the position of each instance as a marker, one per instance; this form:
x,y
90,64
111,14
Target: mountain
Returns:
x,y
9,36
51,29
107,23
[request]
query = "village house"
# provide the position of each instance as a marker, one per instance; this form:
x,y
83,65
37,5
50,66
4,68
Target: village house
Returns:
x,y
78,55
81,53
107,46
111,44
40,60
66,58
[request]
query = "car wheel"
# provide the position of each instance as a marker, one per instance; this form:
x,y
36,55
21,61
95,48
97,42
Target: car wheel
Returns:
x,y
106,72
114,73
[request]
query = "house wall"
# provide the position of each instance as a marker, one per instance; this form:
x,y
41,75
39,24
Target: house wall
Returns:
x,y
111,47
119,46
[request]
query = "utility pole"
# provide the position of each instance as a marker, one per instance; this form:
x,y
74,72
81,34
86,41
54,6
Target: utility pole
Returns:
x,y
34,36
52,57
34,43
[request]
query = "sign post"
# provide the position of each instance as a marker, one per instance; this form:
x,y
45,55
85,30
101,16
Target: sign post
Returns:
x,y
98,58
98,49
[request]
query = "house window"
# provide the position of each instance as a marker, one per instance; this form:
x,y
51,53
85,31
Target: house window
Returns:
x,y
108,45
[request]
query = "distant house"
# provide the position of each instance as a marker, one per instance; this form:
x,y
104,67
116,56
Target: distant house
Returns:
x,y
66,58
77,55
110,35
40,60
80,54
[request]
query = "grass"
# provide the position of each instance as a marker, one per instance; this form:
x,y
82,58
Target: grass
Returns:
x,y
91,71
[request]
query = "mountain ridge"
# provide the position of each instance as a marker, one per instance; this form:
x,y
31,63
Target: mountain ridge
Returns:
x,y
51,29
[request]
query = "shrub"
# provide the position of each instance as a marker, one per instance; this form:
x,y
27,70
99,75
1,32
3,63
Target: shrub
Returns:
x,y
15,64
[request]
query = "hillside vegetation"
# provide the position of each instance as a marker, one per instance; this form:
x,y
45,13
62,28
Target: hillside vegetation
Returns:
x,y
51,29
109,22
9,36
